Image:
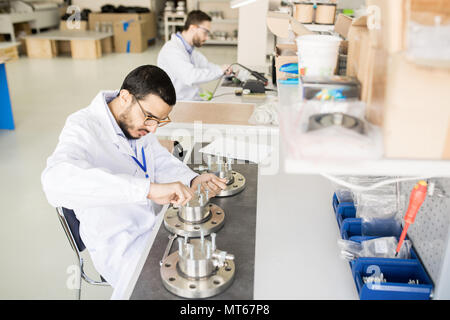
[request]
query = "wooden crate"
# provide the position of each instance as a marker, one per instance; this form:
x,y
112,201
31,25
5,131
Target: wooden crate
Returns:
x,y
9,53
86,49
80,44
41,48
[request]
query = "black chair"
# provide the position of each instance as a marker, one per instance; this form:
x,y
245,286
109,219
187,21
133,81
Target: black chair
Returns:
x,y
71,227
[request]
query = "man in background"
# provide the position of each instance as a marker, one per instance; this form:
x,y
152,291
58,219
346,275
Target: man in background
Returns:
x,y
187,67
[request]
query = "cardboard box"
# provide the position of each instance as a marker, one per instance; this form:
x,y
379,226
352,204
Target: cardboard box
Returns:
x,y
390,37
387,24
343,24
146,22
390,20
417,112
280,24
131,36
361,56
284,53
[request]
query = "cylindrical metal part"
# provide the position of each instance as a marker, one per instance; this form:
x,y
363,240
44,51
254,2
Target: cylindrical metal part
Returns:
x,y
195,211
222,172
213,242
209,162
196,265
180,247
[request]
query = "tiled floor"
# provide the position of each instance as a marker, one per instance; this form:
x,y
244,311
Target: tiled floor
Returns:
x,y
35,254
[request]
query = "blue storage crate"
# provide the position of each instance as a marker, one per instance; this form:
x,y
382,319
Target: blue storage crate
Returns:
x,y
343,210
413,254
352,227
397,272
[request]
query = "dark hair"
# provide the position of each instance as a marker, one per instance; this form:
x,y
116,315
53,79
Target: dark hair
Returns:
x,y
148,79
195,17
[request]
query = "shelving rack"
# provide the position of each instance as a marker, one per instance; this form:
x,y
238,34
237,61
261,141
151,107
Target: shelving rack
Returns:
x,y
229,23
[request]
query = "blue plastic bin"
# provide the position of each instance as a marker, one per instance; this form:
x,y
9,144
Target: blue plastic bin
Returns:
x,y
397,272
352,227
343,210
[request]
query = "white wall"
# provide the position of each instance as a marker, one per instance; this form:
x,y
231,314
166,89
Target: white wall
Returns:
x,y
96,5
350,4
252,39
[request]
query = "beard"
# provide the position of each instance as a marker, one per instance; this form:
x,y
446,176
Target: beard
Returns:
x,y
197,42
125,125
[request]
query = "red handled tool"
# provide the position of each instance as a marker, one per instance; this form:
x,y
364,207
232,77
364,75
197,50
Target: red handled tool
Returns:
x,y
418,195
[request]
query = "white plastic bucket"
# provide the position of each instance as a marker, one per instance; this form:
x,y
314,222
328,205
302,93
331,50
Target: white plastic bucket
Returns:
x,y
317,55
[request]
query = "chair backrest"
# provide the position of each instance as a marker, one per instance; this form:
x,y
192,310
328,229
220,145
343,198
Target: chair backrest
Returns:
x,y
71,226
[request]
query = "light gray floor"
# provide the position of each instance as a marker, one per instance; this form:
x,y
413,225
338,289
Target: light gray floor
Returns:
x,y
35,254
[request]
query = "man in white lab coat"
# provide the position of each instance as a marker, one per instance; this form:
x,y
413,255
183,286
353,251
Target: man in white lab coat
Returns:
x,y
187,67
110,169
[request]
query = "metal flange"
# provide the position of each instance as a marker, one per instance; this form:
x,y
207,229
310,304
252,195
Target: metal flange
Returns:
x,y
237,185
206,287
175,224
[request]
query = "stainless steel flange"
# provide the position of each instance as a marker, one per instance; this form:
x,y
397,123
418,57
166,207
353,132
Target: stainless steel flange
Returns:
x,y
235,181
213,218
236,185
197,269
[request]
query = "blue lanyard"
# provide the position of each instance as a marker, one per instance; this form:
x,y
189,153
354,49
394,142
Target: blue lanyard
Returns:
x,y
142,166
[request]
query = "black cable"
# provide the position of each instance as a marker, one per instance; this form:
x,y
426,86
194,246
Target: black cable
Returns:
x,y
253,73
223,94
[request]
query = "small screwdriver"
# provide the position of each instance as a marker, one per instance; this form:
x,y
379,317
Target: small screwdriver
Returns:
x,y
417,197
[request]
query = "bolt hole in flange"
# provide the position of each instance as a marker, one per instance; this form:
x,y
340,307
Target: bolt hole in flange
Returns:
x,y
167,265
192,286
216,282
172,279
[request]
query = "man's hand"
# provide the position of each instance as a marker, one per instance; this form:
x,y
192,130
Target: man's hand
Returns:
x,y
175,192
209,181
227,70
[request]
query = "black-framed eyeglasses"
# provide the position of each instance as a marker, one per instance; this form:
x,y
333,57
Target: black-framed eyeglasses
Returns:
x,y
150,120
206,30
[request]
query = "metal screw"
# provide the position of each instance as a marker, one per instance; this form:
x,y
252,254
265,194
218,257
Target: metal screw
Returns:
x,y
213,241
191,251
180,246
208,250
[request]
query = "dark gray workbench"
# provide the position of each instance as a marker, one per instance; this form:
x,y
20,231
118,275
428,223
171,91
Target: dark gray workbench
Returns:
x,y
236,237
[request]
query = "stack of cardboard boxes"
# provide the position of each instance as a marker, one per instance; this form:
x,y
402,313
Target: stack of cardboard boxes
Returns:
x,y
280,24
132,31
405,96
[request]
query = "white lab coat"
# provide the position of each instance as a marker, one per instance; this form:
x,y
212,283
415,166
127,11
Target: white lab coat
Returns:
x,y
92,172
186,72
